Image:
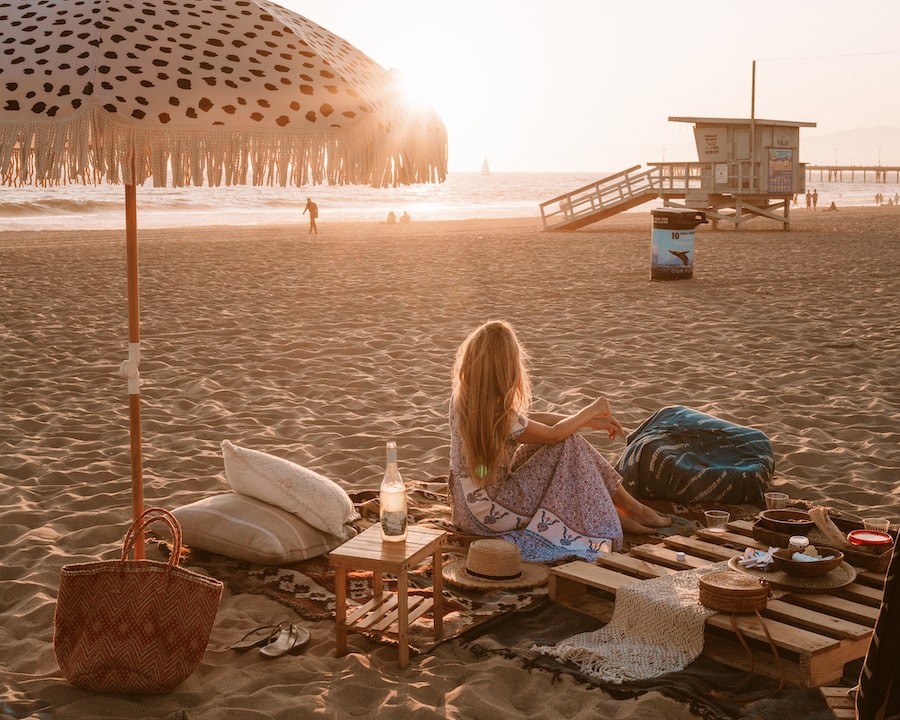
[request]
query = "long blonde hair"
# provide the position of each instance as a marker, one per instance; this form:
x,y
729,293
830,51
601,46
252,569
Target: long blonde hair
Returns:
x,y
490,387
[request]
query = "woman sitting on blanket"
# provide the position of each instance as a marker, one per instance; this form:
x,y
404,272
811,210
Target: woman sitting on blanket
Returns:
x,y
529,477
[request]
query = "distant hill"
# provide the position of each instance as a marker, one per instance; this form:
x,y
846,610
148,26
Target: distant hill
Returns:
x,y
859,146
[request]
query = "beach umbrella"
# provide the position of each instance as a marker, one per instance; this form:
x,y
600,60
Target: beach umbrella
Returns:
x,y
193,92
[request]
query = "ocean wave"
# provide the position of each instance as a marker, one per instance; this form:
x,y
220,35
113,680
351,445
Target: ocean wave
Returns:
x,y
464,196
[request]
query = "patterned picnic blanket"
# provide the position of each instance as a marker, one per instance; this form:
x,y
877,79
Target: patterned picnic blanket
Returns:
x,y
308,587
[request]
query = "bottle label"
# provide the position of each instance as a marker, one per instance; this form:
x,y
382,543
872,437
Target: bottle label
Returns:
x,y
393,524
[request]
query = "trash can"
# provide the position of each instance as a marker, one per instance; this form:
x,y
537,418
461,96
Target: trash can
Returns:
x,y
672,256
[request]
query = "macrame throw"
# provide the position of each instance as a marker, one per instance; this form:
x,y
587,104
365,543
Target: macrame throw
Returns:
x,y
656,627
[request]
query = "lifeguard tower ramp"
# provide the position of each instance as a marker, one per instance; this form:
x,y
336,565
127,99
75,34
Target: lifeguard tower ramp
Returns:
x,y
599,200
747,169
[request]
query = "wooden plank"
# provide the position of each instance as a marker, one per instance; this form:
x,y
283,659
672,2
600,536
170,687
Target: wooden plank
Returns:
x,y
732,537
367,551
742,527
661,555
701,548
840,701
785,636
381,614
871,578
633,566
816,621
841,607
389,624
593,576
371,611
864,594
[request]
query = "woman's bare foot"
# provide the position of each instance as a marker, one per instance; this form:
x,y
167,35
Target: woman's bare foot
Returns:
x,y
632,508
653,519
633,526
646,516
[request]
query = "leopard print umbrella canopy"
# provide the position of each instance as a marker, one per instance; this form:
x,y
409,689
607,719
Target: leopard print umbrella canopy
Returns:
x,y
199,91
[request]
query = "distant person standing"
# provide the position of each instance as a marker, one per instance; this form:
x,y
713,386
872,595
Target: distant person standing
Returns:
x,y
405,218
808,200
815,198
313,210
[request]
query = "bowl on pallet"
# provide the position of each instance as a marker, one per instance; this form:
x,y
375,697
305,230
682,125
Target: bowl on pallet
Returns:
x,y
783,560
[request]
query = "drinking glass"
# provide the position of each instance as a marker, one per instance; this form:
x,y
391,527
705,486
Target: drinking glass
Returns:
x,y
776,500
877,524
717,520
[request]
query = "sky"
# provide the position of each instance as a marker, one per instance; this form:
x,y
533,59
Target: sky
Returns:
x,y
589,85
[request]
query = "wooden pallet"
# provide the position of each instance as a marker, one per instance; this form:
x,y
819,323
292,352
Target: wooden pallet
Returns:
x,y
816,633
840,702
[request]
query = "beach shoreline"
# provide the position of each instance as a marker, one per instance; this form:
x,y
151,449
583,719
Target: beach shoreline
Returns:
x,y
320,348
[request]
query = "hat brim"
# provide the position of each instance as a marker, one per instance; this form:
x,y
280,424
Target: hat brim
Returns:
x,y
533,575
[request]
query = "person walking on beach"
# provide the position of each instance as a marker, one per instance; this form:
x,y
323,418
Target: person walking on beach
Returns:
x,y
808,200
313,210
815,198
530,477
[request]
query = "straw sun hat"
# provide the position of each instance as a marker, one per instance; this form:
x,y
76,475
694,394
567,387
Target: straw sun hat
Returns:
x,y
495,563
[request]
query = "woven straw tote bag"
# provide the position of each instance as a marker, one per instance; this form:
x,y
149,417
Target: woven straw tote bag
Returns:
x,y
134,626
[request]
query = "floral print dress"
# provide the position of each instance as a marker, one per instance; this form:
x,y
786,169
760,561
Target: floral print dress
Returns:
x,y
553,501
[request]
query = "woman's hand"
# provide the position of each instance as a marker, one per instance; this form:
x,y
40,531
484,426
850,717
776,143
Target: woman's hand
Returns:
x,y
612,426
601,418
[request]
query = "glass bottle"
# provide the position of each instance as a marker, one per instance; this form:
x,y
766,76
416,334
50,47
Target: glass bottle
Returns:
x,y
393,499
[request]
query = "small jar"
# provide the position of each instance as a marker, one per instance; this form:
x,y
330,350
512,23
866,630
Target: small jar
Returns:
x,y
798,543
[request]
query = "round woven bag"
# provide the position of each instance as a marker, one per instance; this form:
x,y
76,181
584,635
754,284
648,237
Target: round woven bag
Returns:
x,y
733,592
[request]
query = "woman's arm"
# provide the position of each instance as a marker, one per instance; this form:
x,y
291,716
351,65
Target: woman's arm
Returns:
x,y
549,428
548,419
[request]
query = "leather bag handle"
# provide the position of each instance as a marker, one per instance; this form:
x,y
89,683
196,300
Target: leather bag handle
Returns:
x,y
147,518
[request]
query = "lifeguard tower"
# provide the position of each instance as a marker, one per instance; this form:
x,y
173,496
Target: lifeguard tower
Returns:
x,y
746,168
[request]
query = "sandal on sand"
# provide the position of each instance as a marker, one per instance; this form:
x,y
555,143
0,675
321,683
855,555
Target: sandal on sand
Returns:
x,y
290,640
259,636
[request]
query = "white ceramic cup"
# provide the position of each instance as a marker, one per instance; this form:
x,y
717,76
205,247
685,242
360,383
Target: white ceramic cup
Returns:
x,y
776,500
717,520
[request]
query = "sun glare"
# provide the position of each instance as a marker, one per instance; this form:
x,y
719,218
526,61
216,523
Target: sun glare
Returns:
x,y
408,93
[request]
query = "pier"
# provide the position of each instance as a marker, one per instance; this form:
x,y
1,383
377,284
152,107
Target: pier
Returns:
x,y
852,173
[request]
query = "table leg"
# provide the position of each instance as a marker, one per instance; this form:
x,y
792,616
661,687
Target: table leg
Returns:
x,y
438,592
403,617
340,610
377,583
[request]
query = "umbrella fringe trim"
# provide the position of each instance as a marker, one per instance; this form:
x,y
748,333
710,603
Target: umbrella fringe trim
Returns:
x,y
58,152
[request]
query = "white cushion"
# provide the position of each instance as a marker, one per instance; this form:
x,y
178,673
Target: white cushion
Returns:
x,y
310,496
242,527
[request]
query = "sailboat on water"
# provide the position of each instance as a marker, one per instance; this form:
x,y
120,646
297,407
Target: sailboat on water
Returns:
x,y
485,168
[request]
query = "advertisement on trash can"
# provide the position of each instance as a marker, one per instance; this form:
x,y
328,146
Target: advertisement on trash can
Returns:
x,y
672,252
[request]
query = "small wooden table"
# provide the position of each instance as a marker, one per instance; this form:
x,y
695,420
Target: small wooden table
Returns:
x,y
387,613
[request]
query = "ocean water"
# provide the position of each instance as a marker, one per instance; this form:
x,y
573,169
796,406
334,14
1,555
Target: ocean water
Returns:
x,y
463,196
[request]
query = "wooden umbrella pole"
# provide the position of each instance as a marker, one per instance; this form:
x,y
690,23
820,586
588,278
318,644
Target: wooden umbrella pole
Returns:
x,y
131,366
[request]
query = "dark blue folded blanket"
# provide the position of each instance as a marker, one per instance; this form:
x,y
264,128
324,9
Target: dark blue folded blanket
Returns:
x,y
683,455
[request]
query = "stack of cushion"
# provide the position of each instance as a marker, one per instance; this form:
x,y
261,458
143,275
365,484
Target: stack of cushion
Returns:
x,y
279,513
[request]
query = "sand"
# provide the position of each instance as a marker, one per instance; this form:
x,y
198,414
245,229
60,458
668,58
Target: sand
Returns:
x,y
319,348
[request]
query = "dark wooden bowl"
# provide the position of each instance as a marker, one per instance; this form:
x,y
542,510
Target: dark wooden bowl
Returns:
x,y
781,560
787,521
